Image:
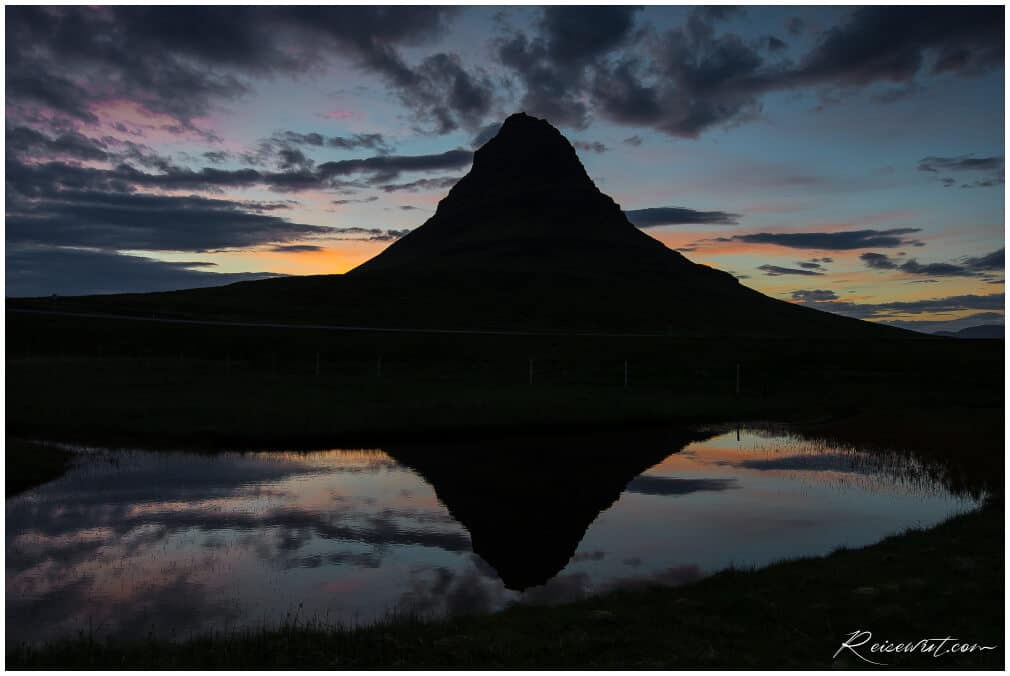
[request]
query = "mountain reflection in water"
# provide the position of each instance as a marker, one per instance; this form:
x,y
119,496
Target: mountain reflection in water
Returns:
x,y
130,542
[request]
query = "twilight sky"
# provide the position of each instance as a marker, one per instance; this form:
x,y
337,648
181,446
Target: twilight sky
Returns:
x,y
847,158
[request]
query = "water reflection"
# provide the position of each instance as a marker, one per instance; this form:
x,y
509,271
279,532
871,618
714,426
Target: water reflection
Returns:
x,y
133,542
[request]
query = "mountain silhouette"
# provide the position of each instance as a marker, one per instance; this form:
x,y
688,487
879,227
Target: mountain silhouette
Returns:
x,y
529,206
524,241
980,331
528,501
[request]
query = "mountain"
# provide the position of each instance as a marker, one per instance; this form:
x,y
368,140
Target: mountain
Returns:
x,y
524,241
981,331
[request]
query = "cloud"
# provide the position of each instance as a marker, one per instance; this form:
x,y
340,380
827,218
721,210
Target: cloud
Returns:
x,y
182,61
776,271
633,141
296,248
362,200
554,64
689,79
443,92
992,165
422,184
814,295
946,304
971,267
297,174
133,221
42,271
376,142
992,261
485,134
963,163
366,234
71,144
845,240
774,44
657,216
590,146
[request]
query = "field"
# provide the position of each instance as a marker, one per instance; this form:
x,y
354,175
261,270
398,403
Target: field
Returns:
x,y
206,387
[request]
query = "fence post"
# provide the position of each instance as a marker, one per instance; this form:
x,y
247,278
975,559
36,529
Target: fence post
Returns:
x,y
738,379
531,371
625,372
317,364
227,361
378,366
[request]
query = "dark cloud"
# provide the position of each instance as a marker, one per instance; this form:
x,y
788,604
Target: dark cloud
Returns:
x,y
994,301
878,261
634,141
795,26
296,248
970,267
895,43
814,295
993,166
485,134
367,234
288,141
554,65
42,271
774,44
388,167
297,173
216,156
362,200
27,142
590,146
832,241
422,184
446,94
963,163
776,271
695,77
181,61
132,221
810,265
992,261
657,216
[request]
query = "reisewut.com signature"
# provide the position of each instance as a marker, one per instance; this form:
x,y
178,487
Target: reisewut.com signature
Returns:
x,y
861,644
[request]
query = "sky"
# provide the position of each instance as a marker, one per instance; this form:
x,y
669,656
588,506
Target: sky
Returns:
x,y
846,158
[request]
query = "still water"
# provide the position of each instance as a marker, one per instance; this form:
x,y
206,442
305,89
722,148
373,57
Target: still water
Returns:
x,y
132,542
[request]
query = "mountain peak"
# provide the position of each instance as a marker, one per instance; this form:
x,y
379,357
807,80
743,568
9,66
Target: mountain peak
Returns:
x,y
528,204
530,152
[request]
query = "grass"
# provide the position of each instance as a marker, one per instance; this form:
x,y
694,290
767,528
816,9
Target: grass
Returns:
x,y
198,405
29,464
946,580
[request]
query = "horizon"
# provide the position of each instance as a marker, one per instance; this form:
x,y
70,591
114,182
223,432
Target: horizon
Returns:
x,y
866,180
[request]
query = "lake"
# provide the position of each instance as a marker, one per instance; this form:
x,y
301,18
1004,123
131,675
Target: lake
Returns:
x,y
132,542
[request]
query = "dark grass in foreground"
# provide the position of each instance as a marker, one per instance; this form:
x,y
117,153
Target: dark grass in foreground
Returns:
x,y
946,581
29,465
